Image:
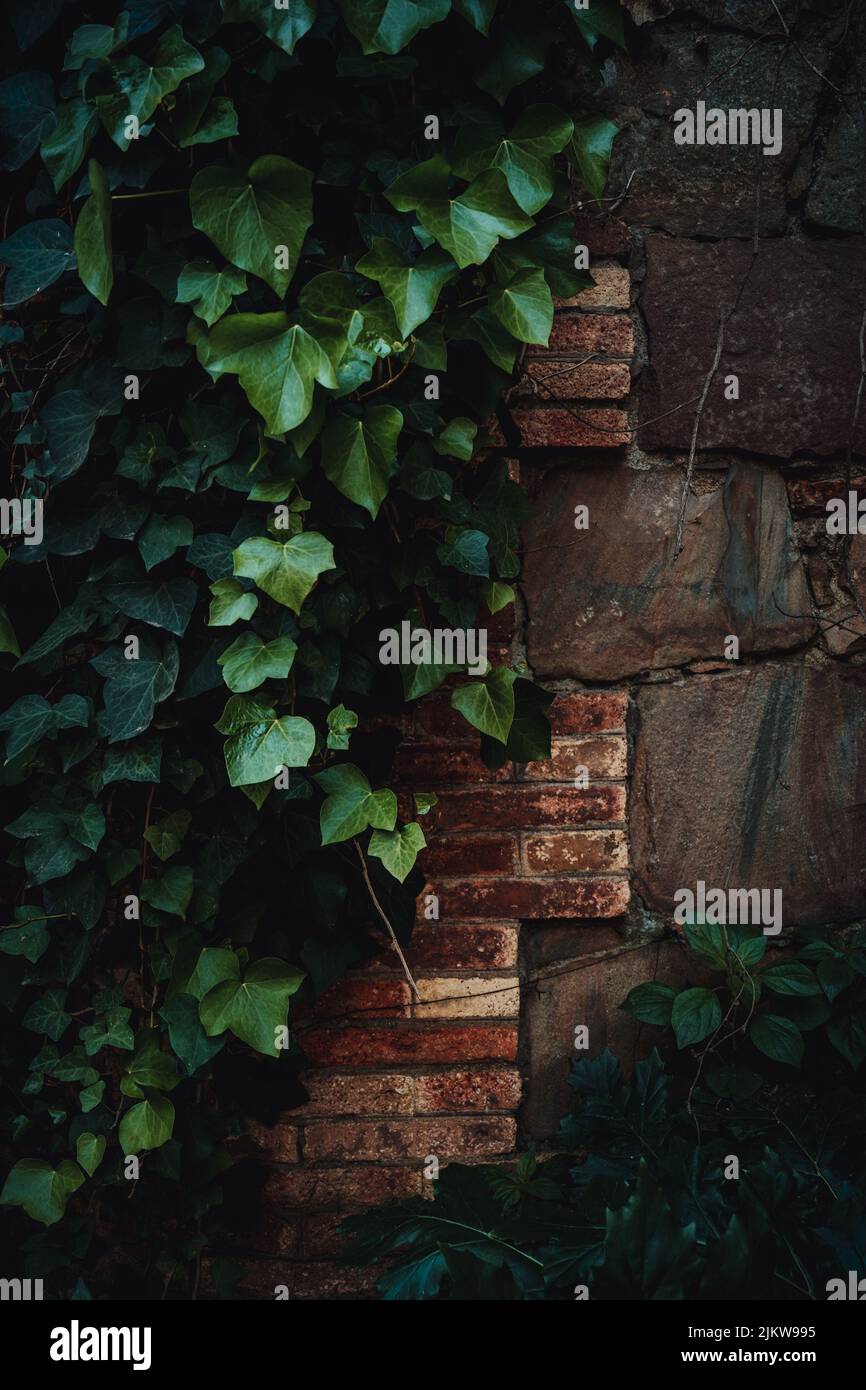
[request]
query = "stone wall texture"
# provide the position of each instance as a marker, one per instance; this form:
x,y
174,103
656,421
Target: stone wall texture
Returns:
x,y
743,769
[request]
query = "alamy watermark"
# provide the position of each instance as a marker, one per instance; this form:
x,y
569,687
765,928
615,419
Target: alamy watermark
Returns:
x,y
438,646
737,126
728,907
22,516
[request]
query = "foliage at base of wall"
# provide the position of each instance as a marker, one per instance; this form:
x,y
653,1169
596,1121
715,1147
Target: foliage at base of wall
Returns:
x,y
735,1168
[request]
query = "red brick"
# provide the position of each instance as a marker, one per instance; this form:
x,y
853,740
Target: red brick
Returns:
x,y
525,806
326,1187
536,897
611,290
604,758
416,1043
408,1139
451,946
468,1090
436,718
602,234
279,1142
477,854
320,1238
578,332
472,996
808,496
273,1236
357,1095
581,427
424,766
563,380
304,1280
576,851
374,998
598,712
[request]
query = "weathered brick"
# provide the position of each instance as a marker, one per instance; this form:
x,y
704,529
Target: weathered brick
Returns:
x,y
610,291
463,946
576,851
436,718
483,854
374,998
525,806
808,496
279,1142
558,378
316,1279
581,427
602,234
536,897
425,766
479,996
273,1235
597,712
357,1095
418,1043
604,758
579,332
355,1186
407,1139
468,1090
320,1238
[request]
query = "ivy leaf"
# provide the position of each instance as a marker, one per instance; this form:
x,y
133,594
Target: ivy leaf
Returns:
x,y
340,723
188,1039
524,156
529,735
41,1190
63,148
286,571
397,849
651,1003
791,978
848,1036
386,26
167,835
28,937
457,440
524,306
135,687
479,13
283,26
249,216
210,291
465,551
140,86
110,1030
412,287
469,225
162,536
147,1125
8,640
259,743
357,455
778,1038
26,116
172,892
163,603
92,240
36,255
89,1151
351,805
517,52
249,661
276,362
600,20
32,718
255,1007
695,1014
230,603
48,1015
488,704
590,148
151,1068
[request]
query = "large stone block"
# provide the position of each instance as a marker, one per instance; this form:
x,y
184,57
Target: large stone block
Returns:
x,y
792,342
754,779
607,602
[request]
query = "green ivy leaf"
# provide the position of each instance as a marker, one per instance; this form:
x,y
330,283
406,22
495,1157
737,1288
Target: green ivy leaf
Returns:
x,y
48,1015
397,849
135,687
488,704
260,744
791,978
358,455
166,836
188,1039
590,149
210,291
171,892
89,1151
63,149
41,1190
651,1003
778,1038
249,661
524,306
283,26
36,255
250,216
92,239
287,571
276,362
147,1125
351,805
141,86
411,287
468,225
386,26
479,13
253,1008
524,156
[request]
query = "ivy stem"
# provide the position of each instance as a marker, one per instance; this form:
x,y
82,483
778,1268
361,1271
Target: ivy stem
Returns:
x,y
155,193
381,911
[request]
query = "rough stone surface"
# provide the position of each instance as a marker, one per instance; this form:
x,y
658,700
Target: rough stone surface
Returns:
x,y
792,342
607,602
754,779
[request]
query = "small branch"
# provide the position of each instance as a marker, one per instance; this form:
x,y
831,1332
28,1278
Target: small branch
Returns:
x,y
381,911
690,467
156,193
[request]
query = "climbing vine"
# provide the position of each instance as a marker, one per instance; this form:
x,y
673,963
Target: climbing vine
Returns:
x,y
269,268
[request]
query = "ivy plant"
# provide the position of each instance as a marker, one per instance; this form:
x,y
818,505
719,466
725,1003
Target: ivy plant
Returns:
x,y
268,270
